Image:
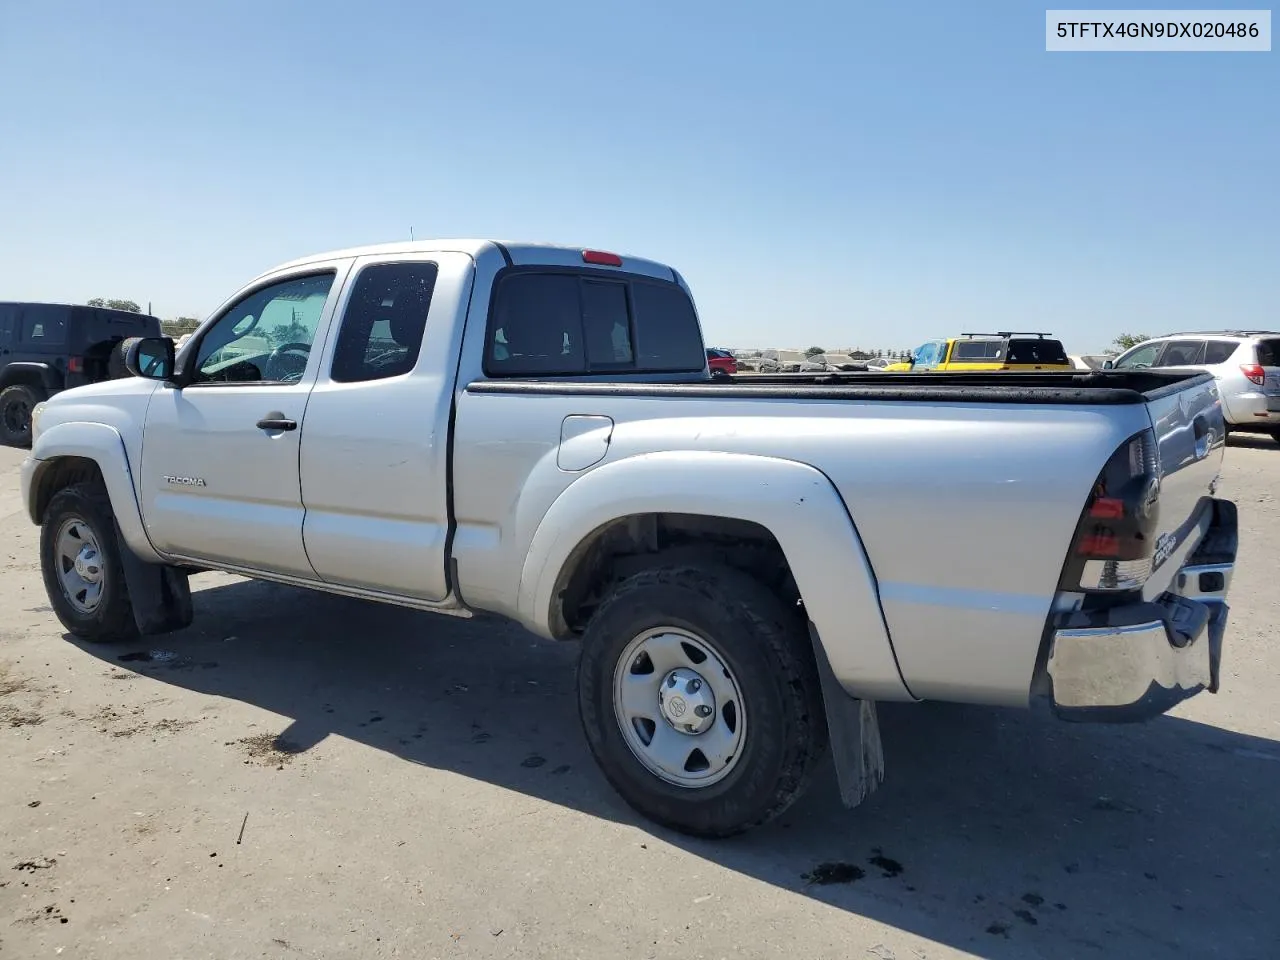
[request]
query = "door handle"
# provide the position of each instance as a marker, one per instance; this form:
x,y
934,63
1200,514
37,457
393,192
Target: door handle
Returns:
x,y
277,423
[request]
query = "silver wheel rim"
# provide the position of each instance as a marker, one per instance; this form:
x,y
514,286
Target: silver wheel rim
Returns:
x,y
80,567
679,708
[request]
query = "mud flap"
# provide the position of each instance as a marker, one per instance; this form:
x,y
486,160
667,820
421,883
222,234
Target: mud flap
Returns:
x,y
160,595
854,733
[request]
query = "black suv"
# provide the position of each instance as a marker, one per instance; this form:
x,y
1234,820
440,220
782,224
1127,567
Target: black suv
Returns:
x,y
47,347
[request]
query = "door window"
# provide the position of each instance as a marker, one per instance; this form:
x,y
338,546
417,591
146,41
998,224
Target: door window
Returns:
x,y
1143,356
267,336
1182,353
384,321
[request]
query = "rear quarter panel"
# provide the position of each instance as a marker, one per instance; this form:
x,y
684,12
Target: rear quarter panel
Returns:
x,y
965,511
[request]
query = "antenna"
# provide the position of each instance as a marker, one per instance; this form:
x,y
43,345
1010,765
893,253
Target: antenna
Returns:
x,y
411,233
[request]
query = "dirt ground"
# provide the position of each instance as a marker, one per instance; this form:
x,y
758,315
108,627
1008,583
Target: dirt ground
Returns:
x,y
300,776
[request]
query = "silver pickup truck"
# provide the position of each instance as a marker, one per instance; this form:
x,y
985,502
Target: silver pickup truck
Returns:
x,y
748,563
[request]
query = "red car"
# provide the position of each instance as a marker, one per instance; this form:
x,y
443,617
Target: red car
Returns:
x,y
721,362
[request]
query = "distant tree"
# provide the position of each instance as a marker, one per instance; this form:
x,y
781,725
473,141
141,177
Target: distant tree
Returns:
x,y
814,351
1126,340
295,332
179,326
128,305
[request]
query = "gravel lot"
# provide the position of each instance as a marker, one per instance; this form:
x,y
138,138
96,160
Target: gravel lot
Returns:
x,y
300,776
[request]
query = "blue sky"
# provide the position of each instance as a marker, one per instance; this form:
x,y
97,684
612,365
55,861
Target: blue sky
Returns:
x,y
833,173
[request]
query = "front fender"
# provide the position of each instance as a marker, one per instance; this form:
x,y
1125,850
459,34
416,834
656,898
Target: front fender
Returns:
x,y
793,501
103,445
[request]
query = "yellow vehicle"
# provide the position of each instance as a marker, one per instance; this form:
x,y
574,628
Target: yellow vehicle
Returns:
x,y
984,352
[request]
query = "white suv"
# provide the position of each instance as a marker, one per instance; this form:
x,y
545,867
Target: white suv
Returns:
x,y
1246,364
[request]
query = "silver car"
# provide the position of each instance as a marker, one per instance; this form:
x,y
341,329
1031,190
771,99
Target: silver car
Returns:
x,y
1246,364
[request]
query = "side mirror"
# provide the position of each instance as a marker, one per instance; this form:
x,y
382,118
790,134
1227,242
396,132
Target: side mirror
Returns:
x,y
150,357
1108,364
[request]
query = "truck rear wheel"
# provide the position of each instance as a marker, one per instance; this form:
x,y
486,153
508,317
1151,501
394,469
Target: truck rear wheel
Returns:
x,y
16,404
700,699
80,560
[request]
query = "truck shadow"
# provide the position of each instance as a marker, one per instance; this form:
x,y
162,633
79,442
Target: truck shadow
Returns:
x,y
1253,441
996,832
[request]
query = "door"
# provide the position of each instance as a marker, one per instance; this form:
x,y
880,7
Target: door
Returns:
x,y
220,455
375,451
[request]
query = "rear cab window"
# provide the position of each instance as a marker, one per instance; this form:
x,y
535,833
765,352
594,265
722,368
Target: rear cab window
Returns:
x,y
547,321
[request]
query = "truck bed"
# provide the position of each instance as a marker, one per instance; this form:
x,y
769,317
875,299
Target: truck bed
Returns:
x,y
1068,388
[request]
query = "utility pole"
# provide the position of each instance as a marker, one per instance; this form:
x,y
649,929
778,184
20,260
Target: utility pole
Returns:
x,y
411,233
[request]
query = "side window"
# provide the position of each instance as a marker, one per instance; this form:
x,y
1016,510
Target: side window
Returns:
x,y
1182,353
267,336
382,328
1142,356
1219,351
44,325
977,351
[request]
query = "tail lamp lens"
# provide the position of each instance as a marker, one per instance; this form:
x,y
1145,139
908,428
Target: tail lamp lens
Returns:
x,y
1114,540
1254,373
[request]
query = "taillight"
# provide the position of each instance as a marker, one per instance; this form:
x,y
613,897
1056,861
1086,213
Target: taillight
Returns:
x,y
601,258
1115,538
1254,373
75,365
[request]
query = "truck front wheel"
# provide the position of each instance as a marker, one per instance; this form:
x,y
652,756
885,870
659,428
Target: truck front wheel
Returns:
x,y
80,560
700,699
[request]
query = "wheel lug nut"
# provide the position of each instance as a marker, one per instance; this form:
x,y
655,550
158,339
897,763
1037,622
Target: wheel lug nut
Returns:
x,y
694,685
671,681
702,710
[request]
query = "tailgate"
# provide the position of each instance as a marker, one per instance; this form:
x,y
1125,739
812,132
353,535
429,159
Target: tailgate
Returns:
x,y
1191,438
1267,355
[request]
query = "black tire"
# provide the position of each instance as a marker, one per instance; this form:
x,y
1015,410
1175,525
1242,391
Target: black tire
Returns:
x,y
766,648
1275,435
116,369
16,404
112,617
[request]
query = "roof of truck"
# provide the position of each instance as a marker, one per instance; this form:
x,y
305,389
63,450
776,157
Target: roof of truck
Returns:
x,y
518,252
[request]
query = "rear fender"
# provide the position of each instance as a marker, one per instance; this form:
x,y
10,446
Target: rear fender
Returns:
x,y
37,374
793,501
103,445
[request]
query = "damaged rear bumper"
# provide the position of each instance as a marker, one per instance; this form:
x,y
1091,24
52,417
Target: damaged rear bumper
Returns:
x,y
1136,661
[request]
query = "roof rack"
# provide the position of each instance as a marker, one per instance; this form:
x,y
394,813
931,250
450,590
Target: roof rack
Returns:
x,y
1009,333
1221,333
